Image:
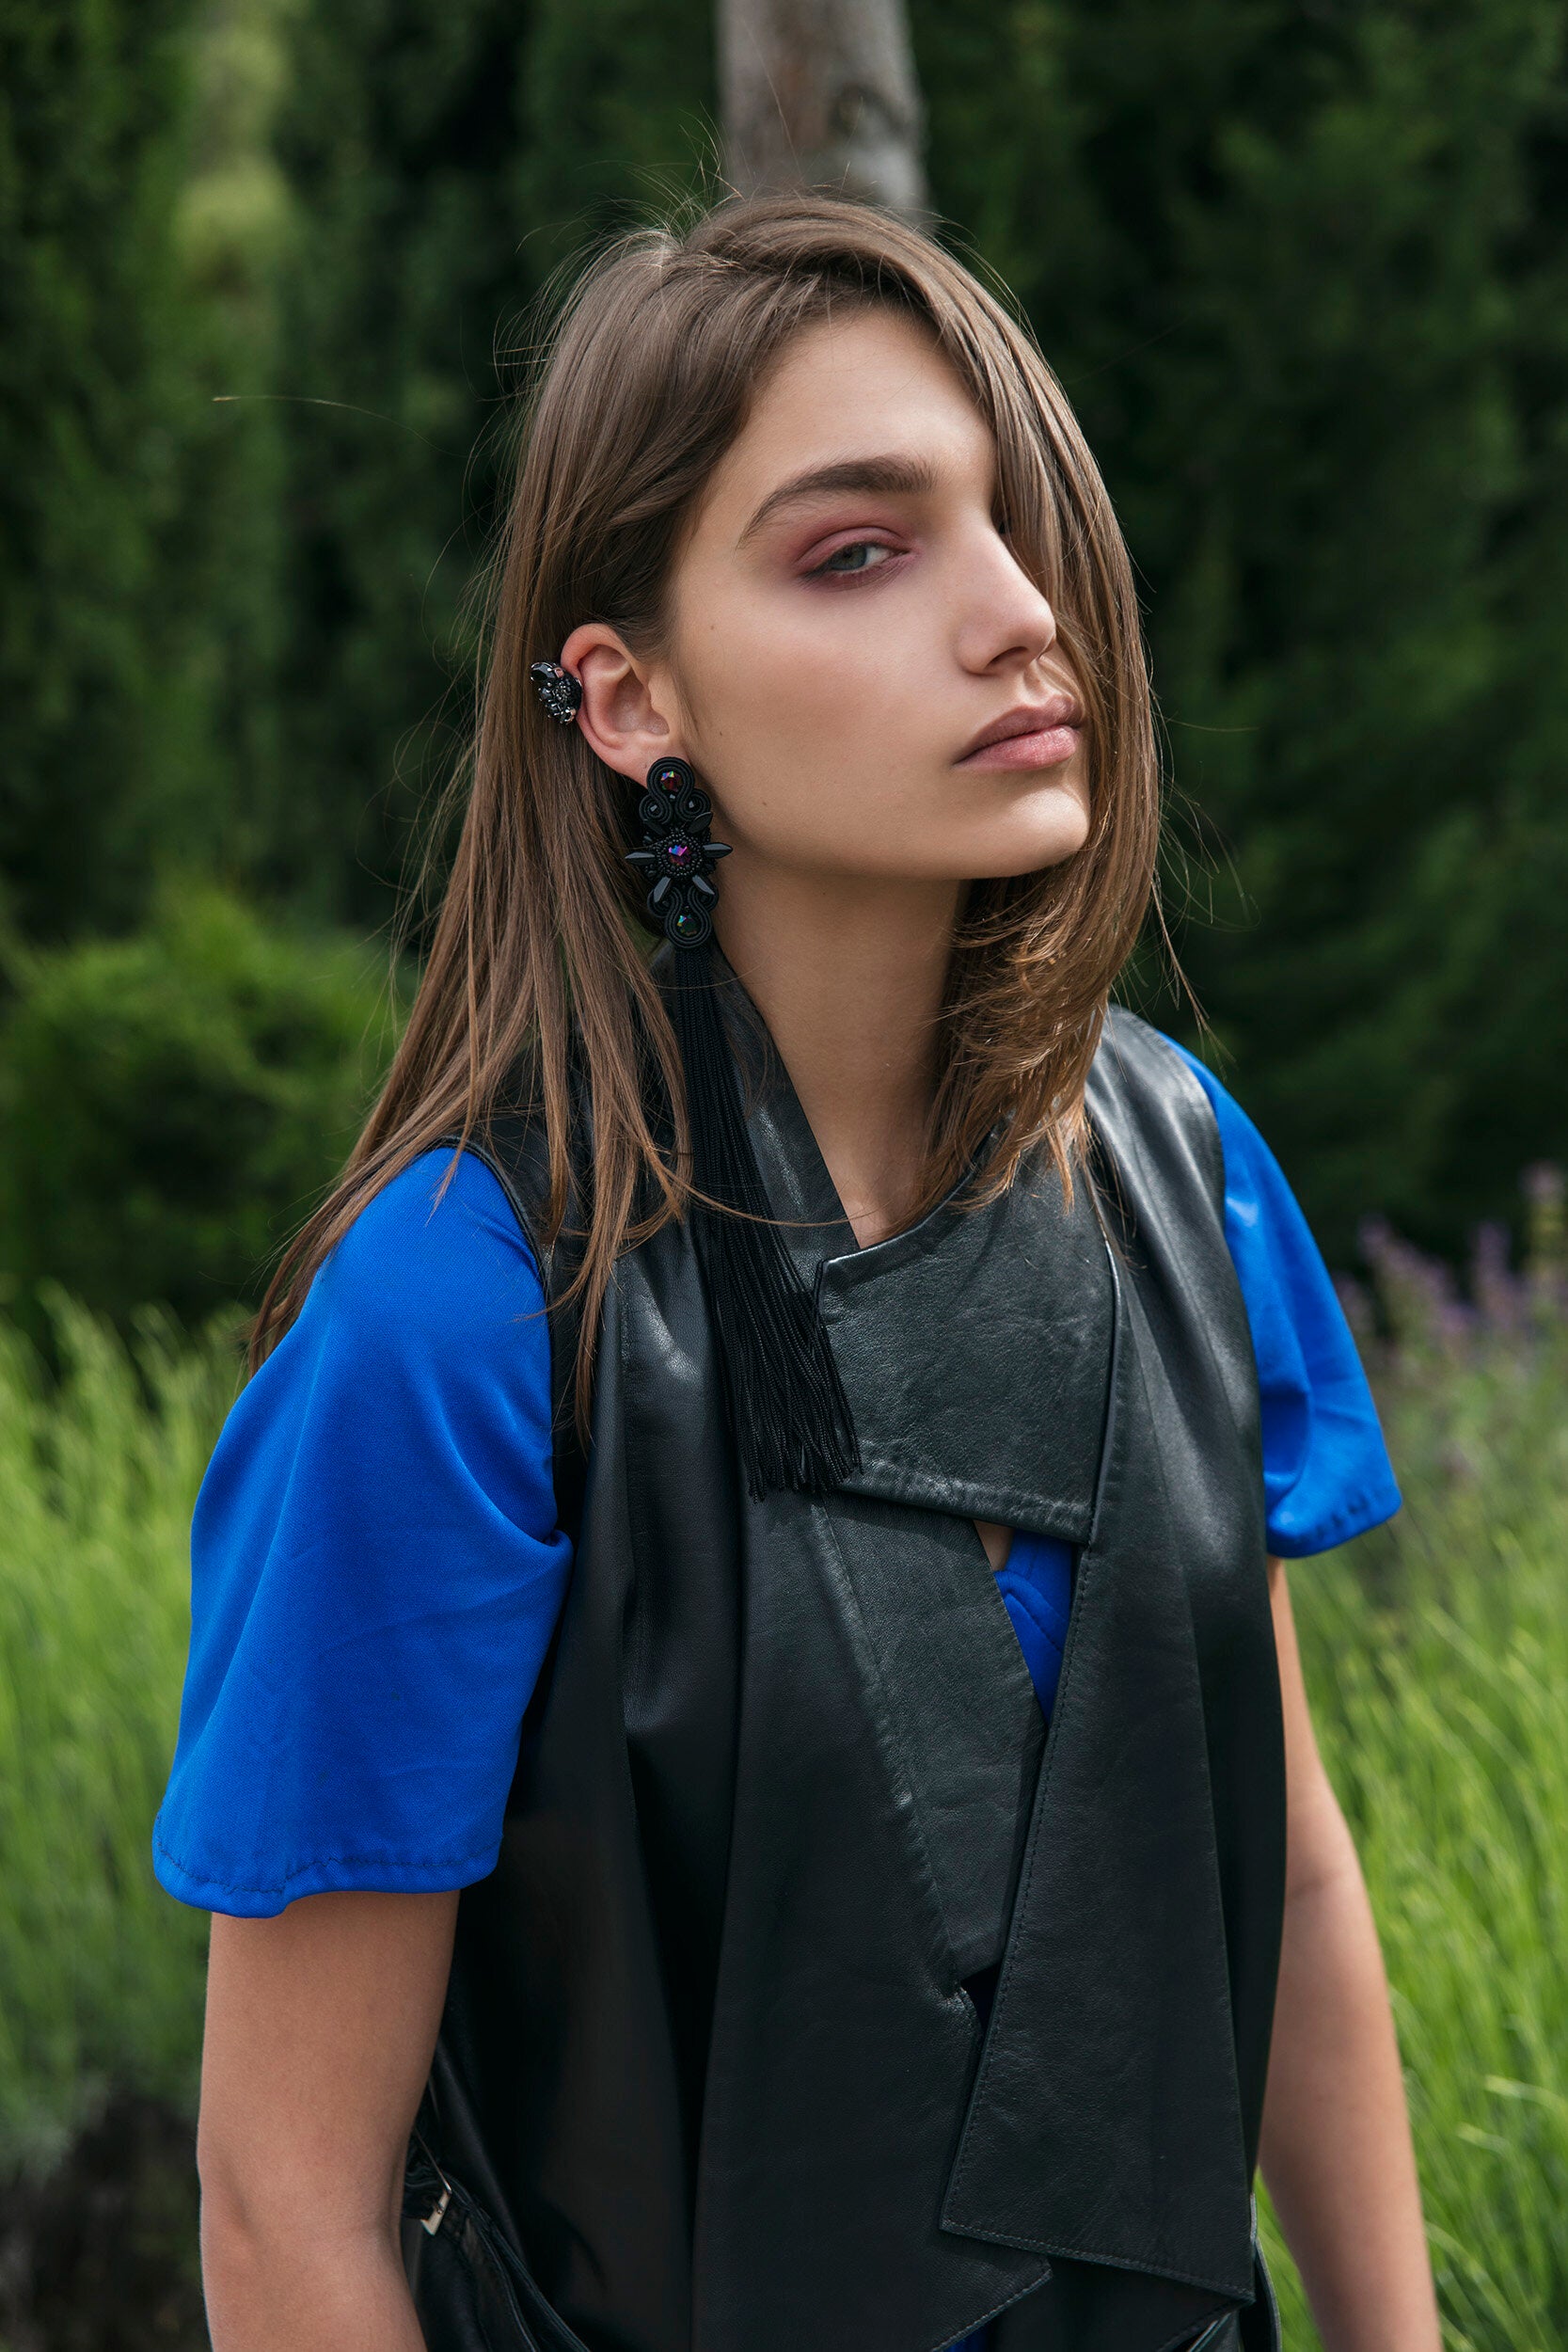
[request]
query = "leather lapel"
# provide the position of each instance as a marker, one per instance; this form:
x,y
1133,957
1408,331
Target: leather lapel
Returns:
x,y
1106,2121
1102,2124
843,2041
974,1353
973,1347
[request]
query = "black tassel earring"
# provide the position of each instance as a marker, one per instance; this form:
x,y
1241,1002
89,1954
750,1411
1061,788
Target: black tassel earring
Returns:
x,y
788,1412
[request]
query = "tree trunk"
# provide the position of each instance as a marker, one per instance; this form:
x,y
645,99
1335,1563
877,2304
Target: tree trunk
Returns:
x,y
822,94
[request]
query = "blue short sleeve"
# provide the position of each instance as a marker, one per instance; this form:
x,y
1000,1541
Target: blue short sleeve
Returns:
x,y
375,1568
1326,1471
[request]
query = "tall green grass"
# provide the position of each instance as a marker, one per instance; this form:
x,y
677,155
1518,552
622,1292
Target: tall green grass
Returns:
x,y
1437,1659
100,1975
1437,1654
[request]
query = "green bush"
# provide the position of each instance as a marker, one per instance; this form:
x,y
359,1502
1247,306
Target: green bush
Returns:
x,y
174,1101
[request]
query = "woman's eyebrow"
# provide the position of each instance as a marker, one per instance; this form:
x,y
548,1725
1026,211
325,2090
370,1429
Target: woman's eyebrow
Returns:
x,y
906,476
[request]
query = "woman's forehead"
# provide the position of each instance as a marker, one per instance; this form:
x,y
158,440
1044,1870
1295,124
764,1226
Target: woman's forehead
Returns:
x,y
868,401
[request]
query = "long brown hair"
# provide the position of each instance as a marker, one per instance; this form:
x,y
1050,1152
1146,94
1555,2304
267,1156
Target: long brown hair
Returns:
x,y
644,384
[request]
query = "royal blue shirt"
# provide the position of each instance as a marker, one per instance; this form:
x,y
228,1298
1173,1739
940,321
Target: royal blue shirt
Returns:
x,y
376,1569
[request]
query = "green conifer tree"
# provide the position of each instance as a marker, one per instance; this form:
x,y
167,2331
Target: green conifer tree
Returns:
x,y
1298,264
445,156
1283,257
94,752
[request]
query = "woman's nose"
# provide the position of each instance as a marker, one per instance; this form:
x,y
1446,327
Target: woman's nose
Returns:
x,y
1006,622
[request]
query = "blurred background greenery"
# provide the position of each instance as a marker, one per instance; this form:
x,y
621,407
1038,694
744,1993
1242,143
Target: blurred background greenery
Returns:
x,y
266,272
1301,264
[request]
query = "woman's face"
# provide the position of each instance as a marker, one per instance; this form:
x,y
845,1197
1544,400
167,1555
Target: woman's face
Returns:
x,y
859,671
849,624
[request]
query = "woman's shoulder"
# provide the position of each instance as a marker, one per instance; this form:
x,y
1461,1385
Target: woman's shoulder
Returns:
x,y
424,1330
435,1262
1326,1468
439,1247
1143,1088
1148,1080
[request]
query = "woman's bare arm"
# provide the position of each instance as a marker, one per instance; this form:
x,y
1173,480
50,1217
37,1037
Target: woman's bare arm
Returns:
x,y
1336,2150
319,2026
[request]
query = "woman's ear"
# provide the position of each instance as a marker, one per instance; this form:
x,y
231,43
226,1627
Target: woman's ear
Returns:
x,y
620,713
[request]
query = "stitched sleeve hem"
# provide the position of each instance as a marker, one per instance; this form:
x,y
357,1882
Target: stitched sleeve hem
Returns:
x,y
378,1874
1356,1517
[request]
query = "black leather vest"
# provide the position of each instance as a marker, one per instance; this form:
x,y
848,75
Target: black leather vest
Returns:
x,y
821,1999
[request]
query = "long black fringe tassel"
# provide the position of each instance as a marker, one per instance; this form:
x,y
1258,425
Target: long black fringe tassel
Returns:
x,y
788,1413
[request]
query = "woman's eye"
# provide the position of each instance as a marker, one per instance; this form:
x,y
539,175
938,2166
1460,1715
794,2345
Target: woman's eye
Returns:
x,y
860,555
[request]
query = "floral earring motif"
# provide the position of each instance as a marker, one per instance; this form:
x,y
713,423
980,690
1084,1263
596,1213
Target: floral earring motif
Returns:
x,y
676,854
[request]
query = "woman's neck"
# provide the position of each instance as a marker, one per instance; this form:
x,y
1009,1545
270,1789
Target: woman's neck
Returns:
x,y
849,977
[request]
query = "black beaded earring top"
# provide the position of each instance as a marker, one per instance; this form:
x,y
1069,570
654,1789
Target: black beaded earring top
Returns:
x,y
677,856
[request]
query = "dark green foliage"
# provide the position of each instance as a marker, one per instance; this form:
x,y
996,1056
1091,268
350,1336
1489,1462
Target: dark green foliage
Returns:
x,y
445,156
92,153
174,1102
236,233
1299,267
1300,263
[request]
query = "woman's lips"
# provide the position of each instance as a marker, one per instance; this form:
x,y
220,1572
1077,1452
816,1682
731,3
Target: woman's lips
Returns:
x,y
1041,732
1051,747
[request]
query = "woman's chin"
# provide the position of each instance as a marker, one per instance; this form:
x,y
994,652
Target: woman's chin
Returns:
x,y
1030,850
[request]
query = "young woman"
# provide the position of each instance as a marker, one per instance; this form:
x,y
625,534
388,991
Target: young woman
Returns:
x,y
742,1692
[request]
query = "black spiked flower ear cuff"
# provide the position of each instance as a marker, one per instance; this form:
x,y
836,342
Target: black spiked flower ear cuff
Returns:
x,y
558,690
